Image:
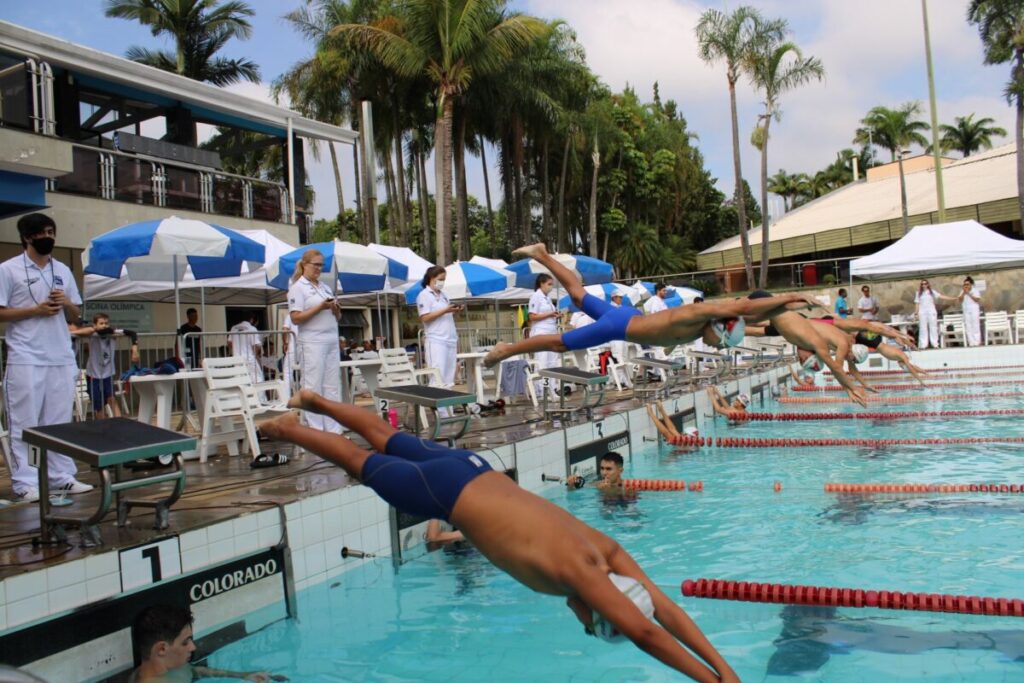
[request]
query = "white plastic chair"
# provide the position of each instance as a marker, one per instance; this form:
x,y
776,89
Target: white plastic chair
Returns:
x,y
396,369
997,328
83,404
1018,325
951,329
231,398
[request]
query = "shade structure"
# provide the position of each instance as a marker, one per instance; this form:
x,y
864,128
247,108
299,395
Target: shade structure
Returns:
x,y
162,250
354,267
415,264
944,248
604,292
677,295
464,280
591,271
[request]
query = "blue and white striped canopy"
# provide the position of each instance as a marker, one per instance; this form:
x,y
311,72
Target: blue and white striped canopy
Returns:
x,y
591,270
356,268
604,292
464,280
162,250
677,295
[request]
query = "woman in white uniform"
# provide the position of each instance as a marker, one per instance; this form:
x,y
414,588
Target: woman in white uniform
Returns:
x,y
928,315
543,320
971,306
314,310
437,313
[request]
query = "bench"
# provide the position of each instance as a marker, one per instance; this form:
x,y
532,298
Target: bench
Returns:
x,y
432,399
593,385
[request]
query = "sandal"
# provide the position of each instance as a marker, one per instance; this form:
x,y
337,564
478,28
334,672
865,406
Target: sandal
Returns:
x,y
264,460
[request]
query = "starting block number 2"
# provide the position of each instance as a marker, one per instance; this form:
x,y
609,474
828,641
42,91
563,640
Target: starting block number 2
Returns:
x,y
383,404
150,563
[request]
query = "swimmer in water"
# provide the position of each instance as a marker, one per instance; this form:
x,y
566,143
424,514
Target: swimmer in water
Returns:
x,y
533,540
723,407
667,429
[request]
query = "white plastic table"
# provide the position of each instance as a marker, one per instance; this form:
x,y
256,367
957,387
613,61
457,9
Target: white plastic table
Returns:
x,y
475,376
369,369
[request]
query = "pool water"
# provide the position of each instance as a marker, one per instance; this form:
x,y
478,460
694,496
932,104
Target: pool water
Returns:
x,y
450,616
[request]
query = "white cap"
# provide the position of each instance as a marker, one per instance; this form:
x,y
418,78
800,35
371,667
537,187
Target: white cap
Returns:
x,y
744,399
638,595
812,364
691,431
860,353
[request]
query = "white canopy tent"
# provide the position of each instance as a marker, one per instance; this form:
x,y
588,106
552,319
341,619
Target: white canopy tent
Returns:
x,y
944,248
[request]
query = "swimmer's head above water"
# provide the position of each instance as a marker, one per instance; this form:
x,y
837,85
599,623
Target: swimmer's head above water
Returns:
x,y
610,468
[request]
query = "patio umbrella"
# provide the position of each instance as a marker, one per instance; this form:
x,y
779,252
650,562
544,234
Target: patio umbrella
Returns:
x,y
353,267
465,280
165,249
416,264
677,295
591,271
603,292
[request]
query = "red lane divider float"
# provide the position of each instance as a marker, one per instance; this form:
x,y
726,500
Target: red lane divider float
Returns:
x,y
661,485
742,416
951,376
729,442
907,387
900,399
828,373
833,487
686,440
745,591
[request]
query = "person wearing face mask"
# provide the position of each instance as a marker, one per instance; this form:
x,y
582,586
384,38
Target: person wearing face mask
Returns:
x,y
970,302
928,315
314,313
437,313
543,320
38,296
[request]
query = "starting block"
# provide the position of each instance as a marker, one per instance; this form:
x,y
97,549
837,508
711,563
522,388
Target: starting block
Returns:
x,y
106,445
672,371
593,385
432,398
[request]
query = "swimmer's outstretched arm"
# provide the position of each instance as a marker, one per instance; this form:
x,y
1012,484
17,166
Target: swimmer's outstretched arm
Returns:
x,y
667,420
661,427
532,344
751,309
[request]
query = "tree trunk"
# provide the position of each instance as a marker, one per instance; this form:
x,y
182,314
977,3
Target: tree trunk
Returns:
x,y
369,206
592,234
563,233
519,162
404,233
545,196
517,218
394,228
509,190
339,189
741,203
903,195
443,182
461,199
424,199
765,217
360,214
487,195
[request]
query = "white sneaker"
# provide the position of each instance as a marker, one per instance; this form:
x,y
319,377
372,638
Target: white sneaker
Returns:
x,y
72,487
29,495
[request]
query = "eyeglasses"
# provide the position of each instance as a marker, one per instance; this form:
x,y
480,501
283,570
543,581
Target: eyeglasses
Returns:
x,y
316,265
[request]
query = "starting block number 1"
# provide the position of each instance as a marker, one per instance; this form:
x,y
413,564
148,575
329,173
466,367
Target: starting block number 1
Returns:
x,y
150,563
33,456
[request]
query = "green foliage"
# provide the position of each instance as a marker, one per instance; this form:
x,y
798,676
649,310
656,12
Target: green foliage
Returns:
x,y
968,136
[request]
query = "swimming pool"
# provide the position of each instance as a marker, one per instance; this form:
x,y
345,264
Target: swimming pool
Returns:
x,y
452,617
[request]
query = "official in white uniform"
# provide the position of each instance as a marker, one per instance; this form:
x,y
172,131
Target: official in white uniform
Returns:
x,y
544,320
928,315
37,295
437,313
246,343
312,306
620,349
971,307
656,304
289,337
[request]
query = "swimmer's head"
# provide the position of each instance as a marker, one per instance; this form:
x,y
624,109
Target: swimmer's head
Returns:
x,y
859,353
809,362
610,467
597,625
741,402
725,333
691,431
806,378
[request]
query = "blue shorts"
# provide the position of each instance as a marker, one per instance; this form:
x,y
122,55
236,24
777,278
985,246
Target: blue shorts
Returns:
x,y
421,477
609,324
100,389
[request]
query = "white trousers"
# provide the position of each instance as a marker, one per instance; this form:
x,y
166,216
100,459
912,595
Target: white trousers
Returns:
x,y
928,329
972,327
38,395
543,360
441,355
321,374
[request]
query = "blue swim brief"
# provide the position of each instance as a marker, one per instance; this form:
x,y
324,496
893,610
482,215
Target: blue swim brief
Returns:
x,y
421,477
609,324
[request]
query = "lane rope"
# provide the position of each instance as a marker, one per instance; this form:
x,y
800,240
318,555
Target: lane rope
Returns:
x,y
743,416
838,487
828,373
906,387
901,399
731,442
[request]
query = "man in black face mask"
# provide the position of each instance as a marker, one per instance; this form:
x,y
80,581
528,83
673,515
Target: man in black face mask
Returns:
x,y
38,295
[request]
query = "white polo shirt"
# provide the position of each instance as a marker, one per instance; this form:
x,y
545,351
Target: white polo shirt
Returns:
x,y
244,337
441,328
655,305
322,327
579,319
40,340
540,303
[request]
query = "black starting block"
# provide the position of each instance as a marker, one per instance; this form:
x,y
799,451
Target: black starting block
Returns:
x,y
673,377
433,398
593,390
106,445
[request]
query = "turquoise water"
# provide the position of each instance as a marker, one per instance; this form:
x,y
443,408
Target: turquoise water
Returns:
x,y
453,617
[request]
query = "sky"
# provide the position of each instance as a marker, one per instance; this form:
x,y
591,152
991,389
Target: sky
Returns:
x,y
872,50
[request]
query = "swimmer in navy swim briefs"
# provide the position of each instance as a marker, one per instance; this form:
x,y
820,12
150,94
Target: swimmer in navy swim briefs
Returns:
x,y
536,542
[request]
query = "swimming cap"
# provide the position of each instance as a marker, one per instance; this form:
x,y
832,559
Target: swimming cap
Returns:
x,y
637,593
860,353
730,331
811,365
691,431
744,399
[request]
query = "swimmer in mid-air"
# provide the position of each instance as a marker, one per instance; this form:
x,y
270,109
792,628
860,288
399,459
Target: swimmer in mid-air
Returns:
x,y
719,324
533,540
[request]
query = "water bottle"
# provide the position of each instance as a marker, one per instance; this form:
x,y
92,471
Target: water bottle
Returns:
x,y
393,418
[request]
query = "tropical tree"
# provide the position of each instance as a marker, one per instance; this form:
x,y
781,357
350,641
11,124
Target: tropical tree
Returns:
x,y
785,185
451,42
968,136
199,29
732,37
894,130
1001,27
775,67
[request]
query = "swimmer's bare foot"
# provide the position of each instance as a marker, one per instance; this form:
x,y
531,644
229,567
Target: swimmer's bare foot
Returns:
x,y
531,251
276,428
305,399
499,353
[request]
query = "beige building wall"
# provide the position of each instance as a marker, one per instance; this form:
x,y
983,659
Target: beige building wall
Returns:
x,y
922,162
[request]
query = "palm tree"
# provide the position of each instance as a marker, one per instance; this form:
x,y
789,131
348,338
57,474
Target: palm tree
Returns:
x,y
968,136
786,186
452,42
1001,25
199,28
894,130
776,67
731,37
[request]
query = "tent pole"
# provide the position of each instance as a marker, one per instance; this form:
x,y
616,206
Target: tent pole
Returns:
x,y
177,302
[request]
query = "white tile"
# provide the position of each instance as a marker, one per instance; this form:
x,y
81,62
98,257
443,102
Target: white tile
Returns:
x,y
103,587
349,517
315,560
310,506
269,536
298,564
332,552
331,500
25,586
194,559
222,550
366,514
269,518
23,611
104,563
295,537
3,613
312,529
383,539
193,539
368,539
293,510
64,575
332,525
247,543
68,597
218,534
245,524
